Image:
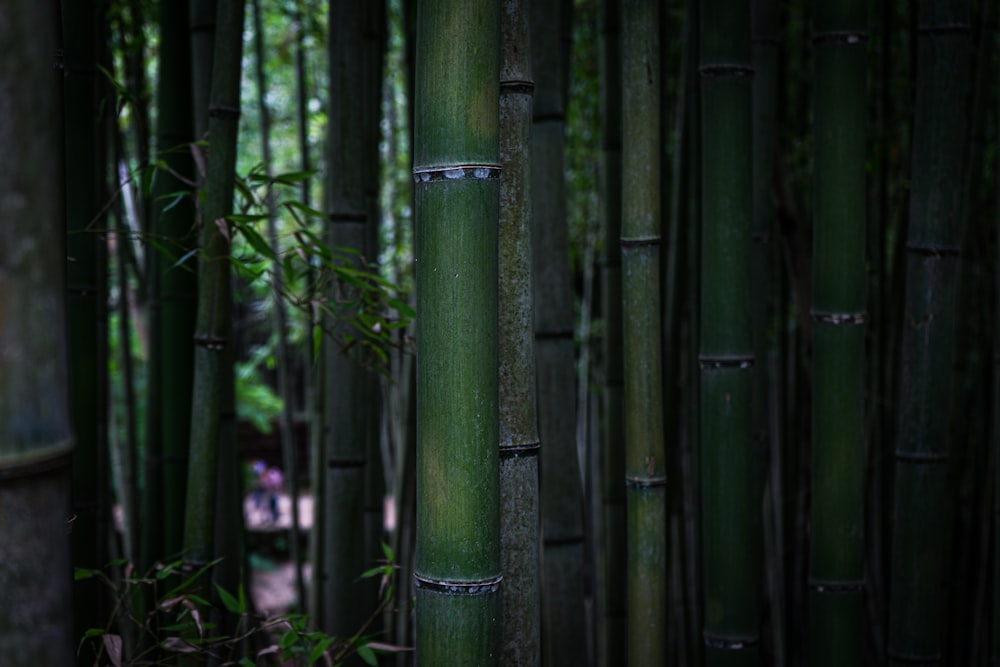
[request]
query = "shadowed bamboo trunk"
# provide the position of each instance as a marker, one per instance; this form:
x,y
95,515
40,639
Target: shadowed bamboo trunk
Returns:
x,y
561,486
836,547
456,170
345,440
214,297
923,495
645,447
730,492
173,290
520,595
86,267
611,561
36,621
766,249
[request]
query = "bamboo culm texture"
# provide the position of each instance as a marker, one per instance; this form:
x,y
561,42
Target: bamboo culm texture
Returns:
x,y
36,621
923,497
214,299
520,595
836,558
730,487
456,192
645,450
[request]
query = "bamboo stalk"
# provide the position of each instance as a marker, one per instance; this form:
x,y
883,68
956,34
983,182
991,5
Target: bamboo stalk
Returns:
x,y
611,560
36,441
836,561
730,489
456,170
520,595
923,496
645,448
213,288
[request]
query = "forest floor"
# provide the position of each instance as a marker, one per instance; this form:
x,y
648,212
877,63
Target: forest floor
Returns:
x,y
272,580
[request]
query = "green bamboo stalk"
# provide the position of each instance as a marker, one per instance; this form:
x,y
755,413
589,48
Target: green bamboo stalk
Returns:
x,y
612,555
645,446
346,382
36,442
560,485
456,170
213,287
202,17
923,498
520,596
85,298
730,491
836,547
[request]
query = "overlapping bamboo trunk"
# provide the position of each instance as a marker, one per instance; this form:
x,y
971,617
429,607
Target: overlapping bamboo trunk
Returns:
x,y
520,595
214,298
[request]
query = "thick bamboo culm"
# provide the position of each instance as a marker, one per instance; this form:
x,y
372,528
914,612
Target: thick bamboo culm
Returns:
x,y
730,488
839,294
457,176
922,498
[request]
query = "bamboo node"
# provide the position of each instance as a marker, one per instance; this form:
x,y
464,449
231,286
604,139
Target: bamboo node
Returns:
x,y
722,363
456,172
482,587
728,643
839,319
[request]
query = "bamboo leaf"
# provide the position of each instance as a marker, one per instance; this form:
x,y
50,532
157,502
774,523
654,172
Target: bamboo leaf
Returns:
x,y
231,603
368,655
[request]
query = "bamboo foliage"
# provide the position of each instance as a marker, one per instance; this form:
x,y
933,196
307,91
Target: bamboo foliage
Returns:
x,y
456,171
922,497
520,595
730,507
214,298
36,623
283,351
645,447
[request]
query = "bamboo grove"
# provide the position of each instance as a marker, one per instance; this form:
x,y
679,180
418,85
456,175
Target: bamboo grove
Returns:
x,y
589,332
